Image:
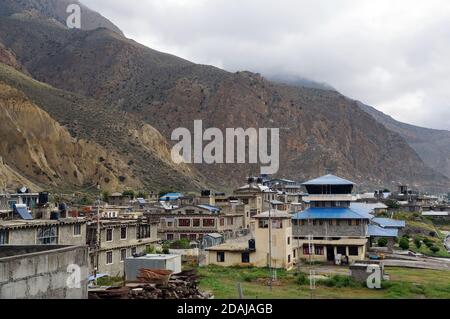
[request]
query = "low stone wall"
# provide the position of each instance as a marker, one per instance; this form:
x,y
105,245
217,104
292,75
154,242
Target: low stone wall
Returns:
x,y
42,272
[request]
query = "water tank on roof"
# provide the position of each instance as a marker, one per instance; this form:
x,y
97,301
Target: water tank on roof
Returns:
x,y
43,198
251,180
55,215
62,207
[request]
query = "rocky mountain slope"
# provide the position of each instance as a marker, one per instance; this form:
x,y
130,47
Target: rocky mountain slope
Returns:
x,y
433,146
117,81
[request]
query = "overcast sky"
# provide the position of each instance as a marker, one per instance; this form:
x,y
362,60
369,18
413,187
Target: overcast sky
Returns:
x,y
394,55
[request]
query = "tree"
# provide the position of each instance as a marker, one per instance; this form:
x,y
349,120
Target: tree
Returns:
x,y
392,204
141,194
404,243
417,242
105,196
129,193
382,242
434,249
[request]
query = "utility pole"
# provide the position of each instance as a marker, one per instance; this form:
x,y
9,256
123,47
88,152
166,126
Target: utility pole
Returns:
x,y
98,239
270,244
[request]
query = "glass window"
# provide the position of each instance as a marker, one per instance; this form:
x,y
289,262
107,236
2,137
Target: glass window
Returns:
x,y
169,236
4,237
353,250
47,235
133,250
77,230
318,250
208,222
196,222
123,232
109,258
109,234
184,222
341,250
123,254
305,249
220,257
245,257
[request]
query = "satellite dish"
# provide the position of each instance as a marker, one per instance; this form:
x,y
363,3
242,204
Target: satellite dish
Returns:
x,y
23,190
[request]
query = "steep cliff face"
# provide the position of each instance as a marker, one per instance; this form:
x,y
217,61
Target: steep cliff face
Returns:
x,y
38,147
117,92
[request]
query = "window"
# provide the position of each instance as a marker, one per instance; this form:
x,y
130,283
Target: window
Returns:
x,y
222,222
338,222
263,223
123,254
294,253
220,257
245,258
358,222
190,211
330,222
353,250
318,250
314,222
196,222
169,224
184,222
123,232
320,222
305,249
143,231
47,235
169,236
289,240
209,222
184,236
109,258
349,222
4,237
277,224
192,236
230,221
341,250
133,250
77,230
303,222
289,258
109,234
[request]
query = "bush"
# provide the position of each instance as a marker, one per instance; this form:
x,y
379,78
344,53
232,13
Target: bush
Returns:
x,y
302,279
382,242
417,242
129,193
429,243
339,281
404,243
150,250
180,244
434,249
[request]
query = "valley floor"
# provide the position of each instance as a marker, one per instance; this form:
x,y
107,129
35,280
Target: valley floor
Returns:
x,y
404,284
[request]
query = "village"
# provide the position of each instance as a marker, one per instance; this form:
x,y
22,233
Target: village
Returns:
x,y
273,238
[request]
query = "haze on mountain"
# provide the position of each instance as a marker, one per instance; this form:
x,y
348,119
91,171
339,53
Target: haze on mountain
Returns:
x,y
124,100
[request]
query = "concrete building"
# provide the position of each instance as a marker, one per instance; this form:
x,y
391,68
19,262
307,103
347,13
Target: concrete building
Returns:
x,y
194,221
119,239
256,195
330,227
271,246
43,272
66,231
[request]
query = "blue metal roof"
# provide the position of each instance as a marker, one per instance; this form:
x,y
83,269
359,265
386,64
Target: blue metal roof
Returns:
x,y
22,210
376,231
389,223
331,213
329,180
170,196
211,208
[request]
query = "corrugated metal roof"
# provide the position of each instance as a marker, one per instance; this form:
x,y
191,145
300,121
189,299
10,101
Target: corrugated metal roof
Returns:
x,y
329,180
331,213
389,223
171,196
210,208
377,231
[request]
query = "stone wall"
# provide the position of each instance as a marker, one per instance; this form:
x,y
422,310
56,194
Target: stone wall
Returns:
x,y
32,272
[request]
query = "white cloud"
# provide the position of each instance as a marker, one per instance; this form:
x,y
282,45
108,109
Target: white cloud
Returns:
x,y
393,55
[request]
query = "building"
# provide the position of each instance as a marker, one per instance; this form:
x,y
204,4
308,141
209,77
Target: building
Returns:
x,y
65,231
271,246
118,199
43,272
119,239
255,195
194,221
330,226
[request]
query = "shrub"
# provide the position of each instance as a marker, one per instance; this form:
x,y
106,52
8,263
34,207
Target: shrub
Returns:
x,y
404,243
417,242
339,281
382,242
302,279
180,244
429,243
434,249
129,193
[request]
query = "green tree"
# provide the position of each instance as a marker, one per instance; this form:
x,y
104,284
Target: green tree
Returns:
x,y
392,204
105,196
141,194
417,242
434,249
404,243
130,193
382,242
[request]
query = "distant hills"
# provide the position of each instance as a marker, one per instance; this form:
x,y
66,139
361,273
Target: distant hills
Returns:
x,y
126,99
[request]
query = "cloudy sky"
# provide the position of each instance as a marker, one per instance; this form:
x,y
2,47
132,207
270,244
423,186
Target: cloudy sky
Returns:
x,y
394,55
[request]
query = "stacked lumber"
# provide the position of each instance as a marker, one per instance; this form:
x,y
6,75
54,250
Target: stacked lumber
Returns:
x,y
151,285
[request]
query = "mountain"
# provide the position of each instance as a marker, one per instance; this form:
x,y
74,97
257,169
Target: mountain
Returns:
x,y
433,146
101,86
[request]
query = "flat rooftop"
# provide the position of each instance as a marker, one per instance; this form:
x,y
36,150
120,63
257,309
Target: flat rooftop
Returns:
x,y
155,257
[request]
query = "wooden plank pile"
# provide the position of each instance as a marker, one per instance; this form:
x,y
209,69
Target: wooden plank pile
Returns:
x,y
156,285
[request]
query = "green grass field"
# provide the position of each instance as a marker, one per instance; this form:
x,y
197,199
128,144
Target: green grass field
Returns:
x,y
404,284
